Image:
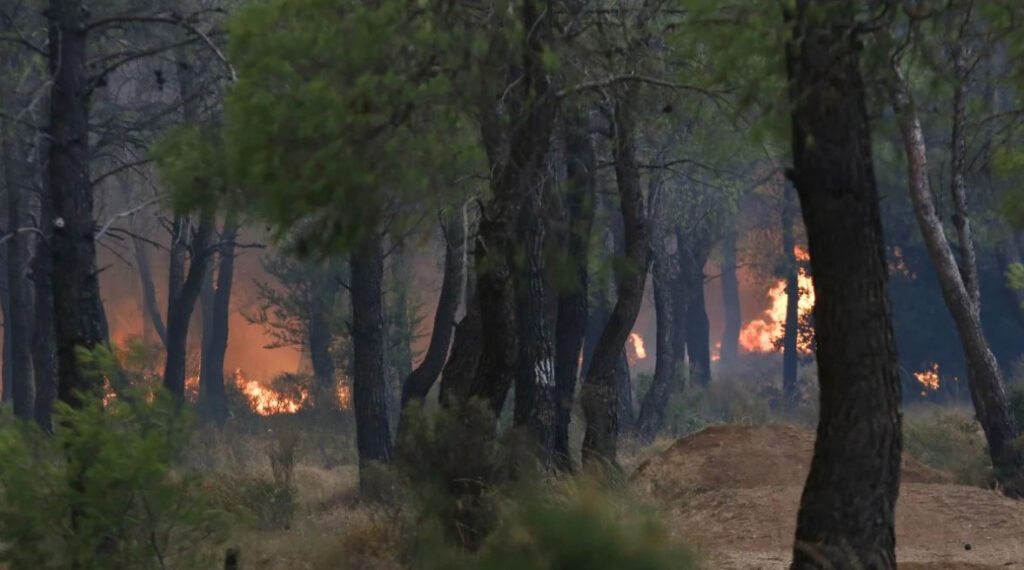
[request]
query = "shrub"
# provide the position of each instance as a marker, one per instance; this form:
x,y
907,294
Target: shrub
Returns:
x,y
948,439
102,492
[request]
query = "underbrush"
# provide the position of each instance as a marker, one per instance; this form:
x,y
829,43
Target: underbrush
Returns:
x,y
949,439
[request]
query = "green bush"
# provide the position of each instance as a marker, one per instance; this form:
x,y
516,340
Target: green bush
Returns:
x,y
262,504
102,491
571,525
948,439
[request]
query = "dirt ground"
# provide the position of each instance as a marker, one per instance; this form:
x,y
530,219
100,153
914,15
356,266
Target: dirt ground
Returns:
x,y
734,490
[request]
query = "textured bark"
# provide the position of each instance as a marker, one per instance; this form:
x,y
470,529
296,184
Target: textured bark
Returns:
x,y
211,375
419,382
732,321
958,174
516,177
790,390
846,515
182,302
571,323
460,369
599,396
19,322
78,311
535,376
369,385
984,376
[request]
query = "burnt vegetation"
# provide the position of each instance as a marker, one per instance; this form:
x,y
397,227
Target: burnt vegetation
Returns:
x,y
511,284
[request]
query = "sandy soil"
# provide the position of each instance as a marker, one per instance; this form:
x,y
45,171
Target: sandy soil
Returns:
x,y
734,490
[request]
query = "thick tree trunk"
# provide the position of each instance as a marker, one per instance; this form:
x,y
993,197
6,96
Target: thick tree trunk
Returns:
x,y
320,339
732,321
44,340
78,311
419,382
571,323
182,302
985,378
846,515
369,390
535,375
599,395
211,377
20,320
790,390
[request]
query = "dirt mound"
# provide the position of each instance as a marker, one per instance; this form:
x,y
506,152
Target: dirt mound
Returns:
x,y
744,457
734,492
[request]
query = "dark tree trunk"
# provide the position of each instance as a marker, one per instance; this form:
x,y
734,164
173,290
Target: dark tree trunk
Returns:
x,y
599,395
419,382
624,395
5,300
571,323
517,176
211,377
20,319
44,339
732,321
182,302
369,391
320,338
695,324
790,390
460,369
846,515
78,311
985,379
664,278
535,375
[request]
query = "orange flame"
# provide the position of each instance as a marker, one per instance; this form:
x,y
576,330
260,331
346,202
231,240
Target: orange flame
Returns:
x,y
929,378
639,352
344,395
761,335
266,401
716,352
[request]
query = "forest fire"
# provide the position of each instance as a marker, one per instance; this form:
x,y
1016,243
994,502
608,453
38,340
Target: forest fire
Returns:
x,y
266,401
929,378
762,335
638,351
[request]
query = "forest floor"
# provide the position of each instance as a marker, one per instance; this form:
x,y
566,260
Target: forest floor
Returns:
x,y
732,492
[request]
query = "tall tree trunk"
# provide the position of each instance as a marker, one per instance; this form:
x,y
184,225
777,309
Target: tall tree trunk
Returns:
x,y
20,320
211,379
571,320
320,338
666,361
182,302
599,396
5,302
78,311
460,369
790,391
696,327
419,382
369,391
44,339
732,321
846,515
535,374
985,378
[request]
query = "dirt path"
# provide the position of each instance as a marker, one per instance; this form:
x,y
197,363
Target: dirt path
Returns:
x,y
734,491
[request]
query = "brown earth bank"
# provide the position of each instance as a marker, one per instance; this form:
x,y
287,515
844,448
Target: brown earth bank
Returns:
x,y
733,491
